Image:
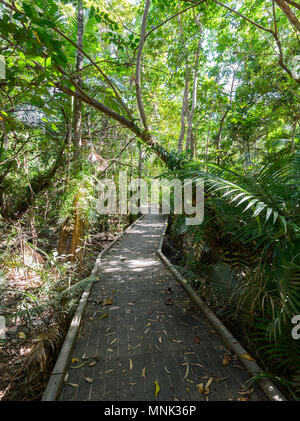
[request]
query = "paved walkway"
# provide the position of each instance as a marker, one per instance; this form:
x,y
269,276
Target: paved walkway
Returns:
x,y
148,331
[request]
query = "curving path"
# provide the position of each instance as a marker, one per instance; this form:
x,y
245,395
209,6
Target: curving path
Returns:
x,y
148,331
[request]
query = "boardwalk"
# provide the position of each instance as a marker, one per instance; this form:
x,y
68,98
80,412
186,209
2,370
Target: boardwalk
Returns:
x,y
148,331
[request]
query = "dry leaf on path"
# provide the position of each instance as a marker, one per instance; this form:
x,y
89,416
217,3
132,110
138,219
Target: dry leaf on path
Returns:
x,y
144,372
130,364
157,388
247,357
88,379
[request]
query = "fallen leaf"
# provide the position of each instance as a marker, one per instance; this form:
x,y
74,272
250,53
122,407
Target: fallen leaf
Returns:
x,y
219,379
95,357
208,383
92,364
88,379
103,316
22,335
157,388
200,388
247,357
144,372
109,371
169,302
246,392
130,364
226,360
166,370
242,398
75,360
160,340
197,340
73,384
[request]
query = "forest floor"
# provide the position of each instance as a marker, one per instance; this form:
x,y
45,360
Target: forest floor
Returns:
x,y
23,377
142,338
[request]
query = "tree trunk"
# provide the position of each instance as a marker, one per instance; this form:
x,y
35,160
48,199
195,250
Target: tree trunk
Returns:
x,y
77,103
183,110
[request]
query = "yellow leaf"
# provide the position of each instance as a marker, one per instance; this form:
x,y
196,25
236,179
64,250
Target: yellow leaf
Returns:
x,y
157,388
130,364
247,357
103,316
144,372
22,335
75,360
208,384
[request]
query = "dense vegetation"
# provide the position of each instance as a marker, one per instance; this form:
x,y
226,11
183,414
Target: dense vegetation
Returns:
x,y
176,88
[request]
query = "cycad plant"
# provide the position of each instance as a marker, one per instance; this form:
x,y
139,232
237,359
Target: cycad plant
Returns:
x,y
259,207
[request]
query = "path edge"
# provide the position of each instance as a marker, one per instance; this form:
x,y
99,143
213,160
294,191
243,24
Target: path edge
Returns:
x,y
267,386
56,380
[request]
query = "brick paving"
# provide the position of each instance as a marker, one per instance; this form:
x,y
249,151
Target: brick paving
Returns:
x,y
149,332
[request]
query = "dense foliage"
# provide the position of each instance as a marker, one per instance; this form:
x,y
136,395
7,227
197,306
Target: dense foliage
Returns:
x,y
184,88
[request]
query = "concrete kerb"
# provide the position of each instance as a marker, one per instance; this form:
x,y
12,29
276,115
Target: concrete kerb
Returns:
x,y
270,390
57,377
